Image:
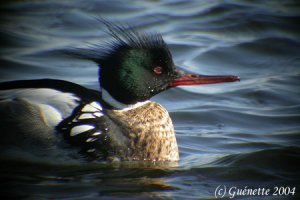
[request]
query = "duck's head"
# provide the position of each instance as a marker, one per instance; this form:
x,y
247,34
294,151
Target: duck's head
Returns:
x,y
136,66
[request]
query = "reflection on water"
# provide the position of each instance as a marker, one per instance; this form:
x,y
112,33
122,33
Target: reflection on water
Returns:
x,y
236,134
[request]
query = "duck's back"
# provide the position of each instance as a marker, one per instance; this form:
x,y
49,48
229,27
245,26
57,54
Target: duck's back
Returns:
x,y
29,117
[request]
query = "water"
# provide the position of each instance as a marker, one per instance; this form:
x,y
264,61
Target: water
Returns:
x,y
243,135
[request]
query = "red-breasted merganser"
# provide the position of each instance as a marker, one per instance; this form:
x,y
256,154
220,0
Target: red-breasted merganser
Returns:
x,y
116,123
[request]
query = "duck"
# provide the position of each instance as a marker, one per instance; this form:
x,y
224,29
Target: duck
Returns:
x,y
116,122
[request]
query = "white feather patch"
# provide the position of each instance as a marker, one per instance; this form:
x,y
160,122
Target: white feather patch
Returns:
x,y
62,102
91,150
91,139
96,105
88,108
98,114
86,116
50,115
92,107
97,133
80,129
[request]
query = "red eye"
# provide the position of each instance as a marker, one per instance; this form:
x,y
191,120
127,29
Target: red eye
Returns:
x,y
157,70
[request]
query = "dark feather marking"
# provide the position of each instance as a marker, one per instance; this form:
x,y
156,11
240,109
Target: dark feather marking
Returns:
x,y
60,85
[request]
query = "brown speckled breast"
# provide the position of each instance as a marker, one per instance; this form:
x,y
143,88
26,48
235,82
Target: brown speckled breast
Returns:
x,y
150,132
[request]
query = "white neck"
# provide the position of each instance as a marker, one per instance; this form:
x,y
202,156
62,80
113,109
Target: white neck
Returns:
x,y
115,103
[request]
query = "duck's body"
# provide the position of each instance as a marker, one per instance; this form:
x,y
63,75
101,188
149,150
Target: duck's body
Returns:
x,y
46,116
116,123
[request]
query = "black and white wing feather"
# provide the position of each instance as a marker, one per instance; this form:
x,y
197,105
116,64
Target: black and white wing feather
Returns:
x,y
39,111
